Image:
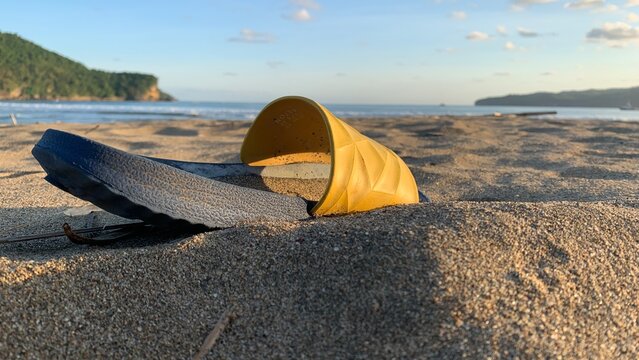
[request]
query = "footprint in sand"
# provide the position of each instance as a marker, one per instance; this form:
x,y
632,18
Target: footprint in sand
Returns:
x,y
174,131
545,130
592,172
139,145
18,174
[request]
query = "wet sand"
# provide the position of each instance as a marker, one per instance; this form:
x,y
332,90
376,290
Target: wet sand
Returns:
x,y
528,249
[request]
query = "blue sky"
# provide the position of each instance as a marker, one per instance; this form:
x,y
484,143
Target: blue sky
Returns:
x,y
376,51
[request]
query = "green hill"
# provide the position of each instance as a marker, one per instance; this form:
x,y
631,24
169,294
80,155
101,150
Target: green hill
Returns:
x,y
588,98
28,71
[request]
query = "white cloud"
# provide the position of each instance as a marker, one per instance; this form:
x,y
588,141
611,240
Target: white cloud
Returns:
x,y
585,4
606,9
614,31
459,15
523,3
597,6
301,11
477,36
300,15
502,30
250,36
523,32
617,34
307,4
632,3
632,17
510,46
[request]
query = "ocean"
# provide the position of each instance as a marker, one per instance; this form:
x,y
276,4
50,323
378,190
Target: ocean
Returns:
x,y
98,112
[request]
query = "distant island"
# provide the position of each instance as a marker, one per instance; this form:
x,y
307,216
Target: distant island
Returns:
x,y
30,72
588,98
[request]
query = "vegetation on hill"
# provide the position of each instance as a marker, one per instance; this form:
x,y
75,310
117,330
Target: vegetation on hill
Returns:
x,y
588,98
28,71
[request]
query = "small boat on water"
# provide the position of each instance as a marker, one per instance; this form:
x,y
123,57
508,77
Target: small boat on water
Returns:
x,y
628,106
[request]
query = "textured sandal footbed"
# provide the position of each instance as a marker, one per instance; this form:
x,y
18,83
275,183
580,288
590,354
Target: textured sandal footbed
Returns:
x,y
151,190
212,170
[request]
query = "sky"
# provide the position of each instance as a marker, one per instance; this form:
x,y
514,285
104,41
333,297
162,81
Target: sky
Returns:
x,y
366,52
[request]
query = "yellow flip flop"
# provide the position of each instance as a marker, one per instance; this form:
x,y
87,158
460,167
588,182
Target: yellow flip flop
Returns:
x,y
364,174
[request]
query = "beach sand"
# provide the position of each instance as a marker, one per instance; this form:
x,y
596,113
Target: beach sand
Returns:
x,y
529,249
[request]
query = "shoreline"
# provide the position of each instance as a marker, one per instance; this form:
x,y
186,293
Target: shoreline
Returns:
x,y
98,112
188,118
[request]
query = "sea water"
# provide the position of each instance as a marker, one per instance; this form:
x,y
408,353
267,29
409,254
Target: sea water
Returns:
x,y
98,112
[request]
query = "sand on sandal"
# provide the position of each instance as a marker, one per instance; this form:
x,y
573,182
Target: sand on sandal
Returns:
x,y
529,249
